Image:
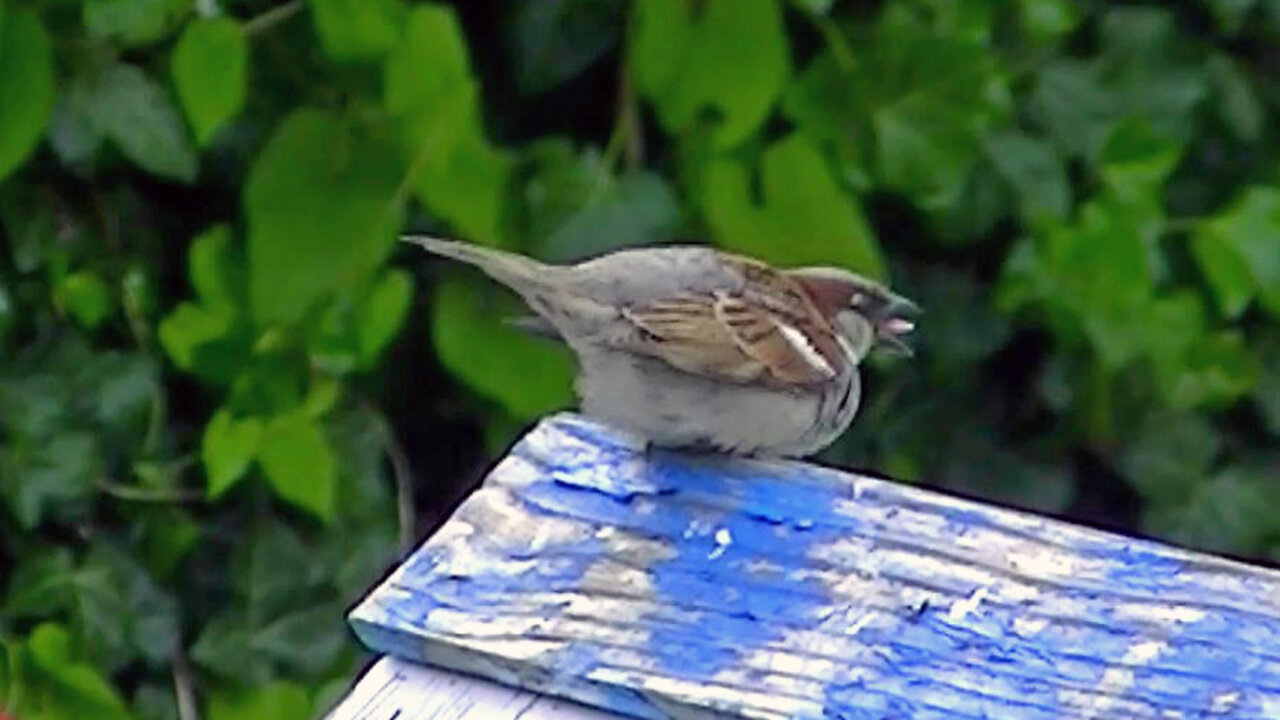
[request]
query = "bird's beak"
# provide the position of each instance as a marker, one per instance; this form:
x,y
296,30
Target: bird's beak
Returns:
x,y
894,323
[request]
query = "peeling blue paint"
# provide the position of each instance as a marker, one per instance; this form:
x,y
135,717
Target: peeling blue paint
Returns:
x,y
750,555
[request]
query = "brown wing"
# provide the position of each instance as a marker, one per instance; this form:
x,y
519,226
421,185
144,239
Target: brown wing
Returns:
x,y
728,337
686,333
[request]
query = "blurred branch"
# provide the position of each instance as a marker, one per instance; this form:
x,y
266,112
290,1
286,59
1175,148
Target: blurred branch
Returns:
x,y
272,17
133,493
400,470
183,689
627,139
629,122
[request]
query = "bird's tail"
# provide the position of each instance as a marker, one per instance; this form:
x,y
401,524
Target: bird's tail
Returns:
x,y
514,270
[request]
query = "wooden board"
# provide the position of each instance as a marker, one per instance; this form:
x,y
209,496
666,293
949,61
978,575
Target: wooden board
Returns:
x,y
395,689
669,585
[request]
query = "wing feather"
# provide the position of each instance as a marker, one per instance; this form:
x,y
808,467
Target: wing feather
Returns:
x,y
724,336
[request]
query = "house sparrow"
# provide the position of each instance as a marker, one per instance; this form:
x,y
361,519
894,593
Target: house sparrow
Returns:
x,y
691,347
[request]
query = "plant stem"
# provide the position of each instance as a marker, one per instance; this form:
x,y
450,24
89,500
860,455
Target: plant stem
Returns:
x,y
835,39
271,18
403,475
183,687
133,493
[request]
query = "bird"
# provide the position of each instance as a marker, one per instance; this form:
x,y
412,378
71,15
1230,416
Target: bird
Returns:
x,y
688,346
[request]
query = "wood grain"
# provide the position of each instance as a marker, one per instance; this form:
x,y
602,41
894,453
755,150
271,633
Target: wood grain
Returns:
x,y
395,689
670,585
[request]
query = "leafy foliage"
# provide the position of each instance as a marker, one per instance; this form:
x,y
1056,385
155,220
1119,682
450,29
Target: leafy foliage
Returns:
x,y
207,334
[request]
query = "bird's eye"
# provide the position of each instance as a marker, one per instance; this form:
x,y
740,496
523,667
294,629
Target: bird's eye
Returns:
x,y
857,299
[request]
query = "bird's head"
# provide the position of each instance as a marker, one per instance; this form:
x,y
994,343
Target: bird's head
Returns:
x,y
867,313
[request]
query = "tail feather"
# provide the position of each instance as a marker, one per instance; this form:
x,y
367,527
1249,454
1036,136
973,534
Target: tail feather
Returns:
x,y
506,267
535,326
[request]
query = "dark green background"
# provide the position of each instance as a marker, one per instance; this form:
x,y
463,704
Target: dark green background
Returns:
x,y
229,399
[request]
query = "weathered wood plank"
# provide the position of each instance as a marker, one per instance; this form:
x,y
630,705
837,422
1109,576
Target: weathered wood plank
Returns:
x,y
670,585
395,689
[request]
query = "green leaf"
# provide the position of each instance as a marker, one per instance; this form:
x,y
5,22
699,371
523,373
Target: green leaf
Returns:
x,y
36,479
805,218
1047,21
121,391
1096,277
983,201
357,29
527,376
561,181
1237,101
229,445
273,701
155,701
215,266
923,149
319,222
459,175
1236,250
118,612
1266,393
963,326
26,72
271,382
133,22
634,209
979,469
296,458
73,134
267,576
322,395
87,297
912,108
382,313
204,342
1231,14
131,109
819,7
79,690
209,72
1073,108
1214,372
1226,271
304,642
277,593
1234,510
555,40
929,96
1193,367
1152,70
222,648
1135,161
730,56
1170,455
826,105
429,67
1034,171
168,537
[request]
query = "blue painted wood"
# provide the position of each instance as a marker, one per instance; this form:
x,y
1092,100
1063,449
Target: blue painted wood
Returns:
x,y
395,689
669,585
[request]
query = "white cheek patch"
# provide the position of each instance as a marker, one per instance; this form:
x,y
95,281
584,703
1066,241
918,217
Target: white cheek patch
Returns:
x,y
849,354
812,357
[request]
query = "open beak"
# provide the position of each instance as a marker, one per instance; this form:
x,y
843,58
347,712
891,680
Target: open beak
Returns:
x,y
894,323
